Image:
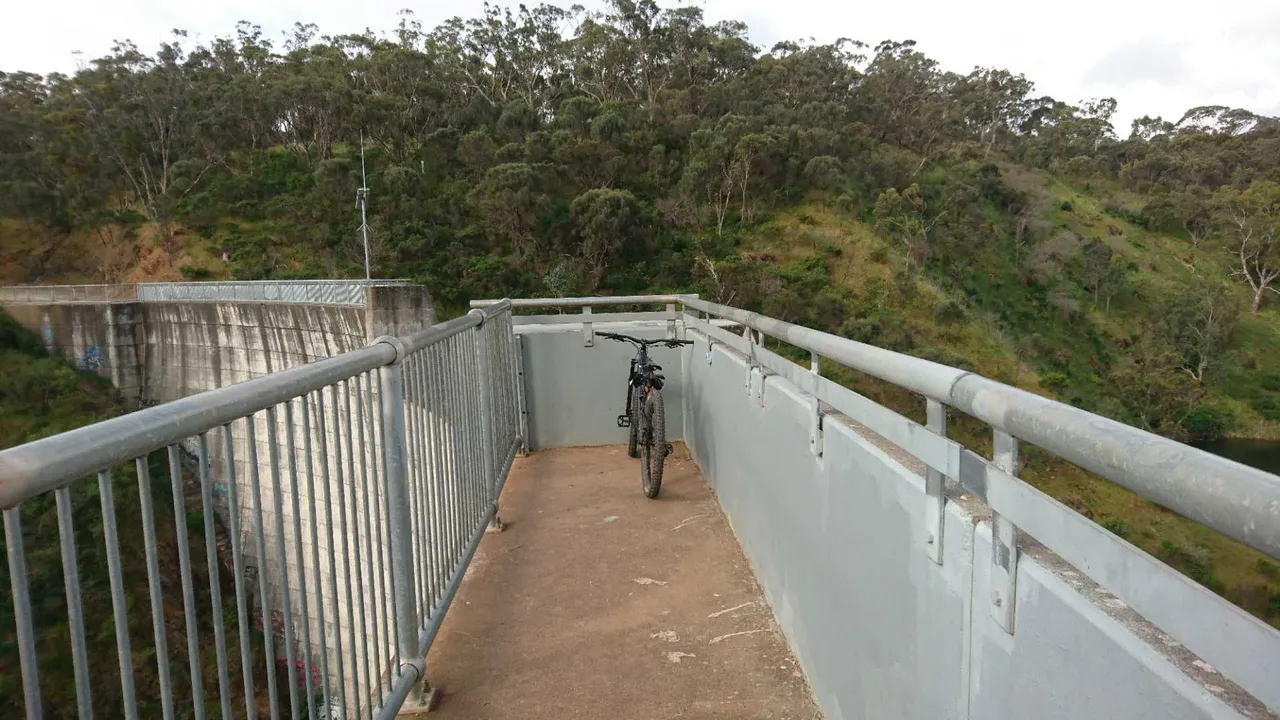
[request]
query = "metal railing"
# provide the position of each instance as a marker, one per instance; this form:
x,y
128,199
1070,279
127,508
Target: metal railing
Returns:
x,y
319,292
41,294
1238,501
346,497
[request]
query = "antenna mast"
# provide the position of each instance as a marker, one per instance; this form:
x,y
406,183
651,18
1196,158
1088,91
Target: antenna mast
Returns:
x,y
362,200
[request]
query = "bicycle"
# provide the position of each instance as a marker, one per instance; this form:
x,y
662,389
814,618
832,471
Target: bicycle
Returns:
x,y
645,414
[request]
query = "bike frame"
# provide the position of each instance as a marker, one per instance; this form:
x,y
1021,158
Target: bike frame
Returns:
x,y
643,373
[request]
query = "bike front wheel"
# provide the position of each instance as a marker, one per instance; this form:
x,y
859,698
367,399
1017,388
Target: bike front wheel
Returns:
x,y
653,445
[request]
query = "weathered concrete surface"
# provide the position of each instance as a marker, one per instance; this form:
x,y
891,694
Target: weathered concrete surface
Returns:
x,y
599,603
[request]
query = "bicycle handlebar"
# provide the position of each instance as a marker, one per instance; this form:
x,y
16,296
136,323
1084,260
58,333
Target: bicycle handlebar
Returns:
x,y
671,343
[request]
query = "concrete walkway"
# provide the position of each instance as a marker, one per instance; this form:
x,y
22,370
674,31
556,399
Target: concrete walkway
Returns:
x,y
599,603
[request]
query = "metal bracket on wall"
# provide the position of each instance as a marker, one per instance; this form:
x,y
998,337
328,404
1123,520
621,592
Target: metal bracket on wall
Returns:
x,y
588,335
935,498
815,426
1004,541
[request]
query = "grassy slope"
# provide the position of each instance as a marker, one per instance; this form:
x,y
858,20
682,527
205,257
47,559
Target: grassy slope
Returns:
x,y
862,265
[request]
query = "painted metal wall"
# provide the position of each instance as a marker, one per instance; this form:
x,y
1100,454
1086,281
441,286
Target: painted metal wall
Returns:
x,y
880,629
574,393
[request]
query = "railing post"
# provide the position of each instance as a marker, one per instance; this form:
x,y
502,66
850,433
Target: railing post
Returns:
x,y
671,321
400,524
588,336
1004,539
517,348
935,504
486,422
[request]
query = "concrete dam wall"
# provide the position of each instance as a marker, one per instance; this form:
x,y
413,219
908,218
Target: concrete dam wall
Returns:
x,y
155,351
160,343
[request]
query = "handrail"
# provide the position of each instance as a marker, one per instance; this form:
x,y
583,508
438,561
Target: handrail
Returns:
x,y
45,464
49,463
586,301
328,291
1238,501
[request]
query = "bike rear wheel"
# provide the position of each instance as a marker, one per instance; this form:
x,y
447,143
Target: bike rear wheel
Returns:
x,y
653,446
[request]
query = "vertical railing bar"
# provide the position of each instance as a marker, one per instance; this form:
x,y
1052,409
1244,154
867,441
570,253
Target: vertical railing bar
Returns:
x,y
188,589
485,409
22,613
237,565
215,583
124,653
282,550
304,663
260,541
359,650
415,397
153,585
328,483
377,491
462,448
464,361
75,610
433,407
369,605
449,505
417,532
478,420
315,541
509,355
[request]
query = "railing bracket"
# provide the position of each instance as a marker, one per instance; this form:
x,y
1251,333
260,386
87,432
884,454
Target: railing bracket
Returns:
x,y
1004,541
935,500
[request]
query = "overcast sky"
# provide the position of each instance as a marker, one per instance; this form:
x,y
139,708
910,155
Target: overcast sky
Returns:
x,y
1154,56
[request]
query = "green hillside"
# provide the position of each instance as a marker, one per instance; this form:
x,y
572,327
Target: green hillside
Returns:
x,y
866,191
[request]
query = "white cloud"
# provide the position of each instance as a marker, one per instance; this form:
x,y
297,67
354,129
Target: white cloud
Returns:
x,y
1149,59
1229,55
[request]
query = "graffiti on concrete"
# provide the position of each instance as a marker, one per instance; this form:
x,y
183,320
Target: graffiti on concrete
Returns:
x,y
93,359
46,332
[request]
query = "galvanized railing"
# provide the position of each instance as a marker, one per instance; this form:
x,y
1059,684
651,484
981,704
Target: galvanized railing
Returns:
x,y
1238,501
29,294
320,292
346,497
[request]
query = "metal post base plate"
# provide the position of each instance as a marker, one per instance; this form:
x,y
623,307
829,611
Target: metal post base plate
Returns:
x,y
420,703
495,525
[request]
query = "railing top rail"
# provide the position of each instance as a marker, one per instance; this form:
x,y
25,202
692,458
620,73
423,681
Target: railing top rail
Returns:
x,y
49,463
46,464
585,301
1236,500
324,292
352,281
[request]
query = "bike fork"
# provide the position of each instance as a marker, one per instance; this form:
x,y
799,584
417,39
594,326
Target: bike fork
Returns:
x,y
624,420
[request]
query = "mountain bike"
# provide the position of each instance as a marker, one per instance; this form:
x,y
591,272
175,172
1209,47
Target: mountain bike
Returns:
x,y
644,412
